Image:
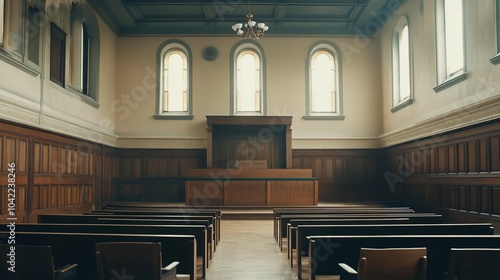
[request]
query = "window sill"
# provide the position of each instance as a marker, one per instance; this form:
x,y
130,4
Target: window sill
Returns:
x,y
450,82
77,95
402,105
173,117
328,118
7,57
495,59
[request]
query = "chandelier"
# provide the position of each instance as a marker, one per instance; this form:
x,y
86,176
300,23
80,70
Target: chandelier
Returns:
x,y
251,28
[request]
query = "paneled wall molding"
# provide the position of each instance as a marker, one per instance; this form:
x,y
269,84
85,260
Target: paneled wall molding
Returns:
x,y
14,109
336,143
20,110
460,118
71,127
161,143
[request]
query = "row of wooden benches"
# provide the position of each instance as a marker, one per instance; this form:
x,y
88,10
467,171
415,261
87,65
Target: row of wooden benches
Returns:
x,y
328,236
188,236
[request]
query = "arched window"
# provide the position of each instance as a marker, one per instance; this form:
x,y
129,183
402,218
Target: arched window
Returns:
x,y
324,94
84,51
247,96
174,75
449,43
401,65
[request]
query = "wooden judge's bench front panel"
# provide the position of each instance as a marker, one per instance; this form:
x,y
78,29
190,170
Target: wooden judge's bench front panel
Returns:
x,y
251,187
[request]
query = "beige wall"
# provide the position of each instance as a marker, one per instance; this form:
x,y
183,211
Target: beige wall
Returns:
x,y
286,73
474,100
127,91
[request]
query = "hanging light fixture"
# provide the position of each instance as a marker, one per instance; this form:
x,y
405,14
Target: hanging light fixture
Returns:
x,y
251,28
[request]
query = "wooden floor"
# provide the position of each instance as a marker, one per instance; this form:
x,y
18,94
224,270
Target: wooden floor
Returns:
x,y
248,251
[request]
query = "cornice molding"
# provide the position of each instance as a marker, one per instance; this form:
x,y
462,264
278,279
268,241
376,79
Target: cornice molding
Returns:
x,y
28,113
466,116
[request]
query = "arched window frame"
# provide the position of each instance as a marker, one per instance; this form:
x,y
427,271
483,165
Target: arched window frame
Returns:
x,y
84,54
333,52
245,46
448,77
166,48
402,93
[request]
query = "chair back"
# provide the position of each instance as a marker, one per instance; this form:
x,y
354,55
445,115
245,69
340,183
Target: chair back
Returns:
x,y
30,262
129,260
474,263
392,263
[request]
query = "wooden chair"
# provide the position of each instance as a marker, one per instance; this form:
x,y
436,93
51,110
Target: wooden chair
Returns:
x,y
474,263
137,260
389,263
26,262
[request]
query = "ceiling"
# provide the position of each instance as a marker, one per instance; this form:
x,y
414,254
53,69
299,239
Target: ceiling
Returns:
x,y
215,17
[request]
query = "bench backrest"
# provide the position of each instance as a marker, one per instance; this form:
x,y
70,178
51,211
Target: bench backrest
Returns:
x,y
325,251
79,248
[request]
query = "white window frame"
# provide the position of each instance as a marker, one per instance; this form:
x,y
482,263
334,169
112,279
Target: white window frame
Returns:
x,y
398,100
237,50
165,48
2,18
447,77
496,59
333,51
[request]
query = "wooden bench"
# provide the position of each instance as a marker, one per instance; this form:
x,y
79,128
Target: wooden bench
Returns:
x,y
187,211
198,231
303,231
292,226
92,219
325,252
419,218
278,212
79,248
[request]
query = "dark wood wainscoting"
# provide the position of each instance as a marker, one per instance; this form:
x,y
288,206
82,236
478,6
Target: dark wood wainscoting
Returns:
x,y
345,175
457,174
53,173
154,175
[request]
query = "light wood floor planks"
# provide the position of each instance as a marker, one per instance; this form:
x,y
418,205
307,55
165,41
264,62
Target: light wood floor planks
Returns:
x,y
248,251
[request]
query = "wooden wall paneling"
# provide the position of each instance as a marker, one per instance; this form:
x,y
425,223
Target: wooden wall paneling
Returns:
x,y
245,193
486,198
472,156
452,159
483,154
495,209
474,202
495,153
463,198
462,157
442,159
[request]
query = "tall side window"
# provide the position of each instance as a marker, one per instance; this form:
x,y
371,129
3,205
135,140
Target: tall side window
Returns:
x,y
324,96
174,76
84,53
247,77
80,43
20,33
401,65
57,54
450,43
496,58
